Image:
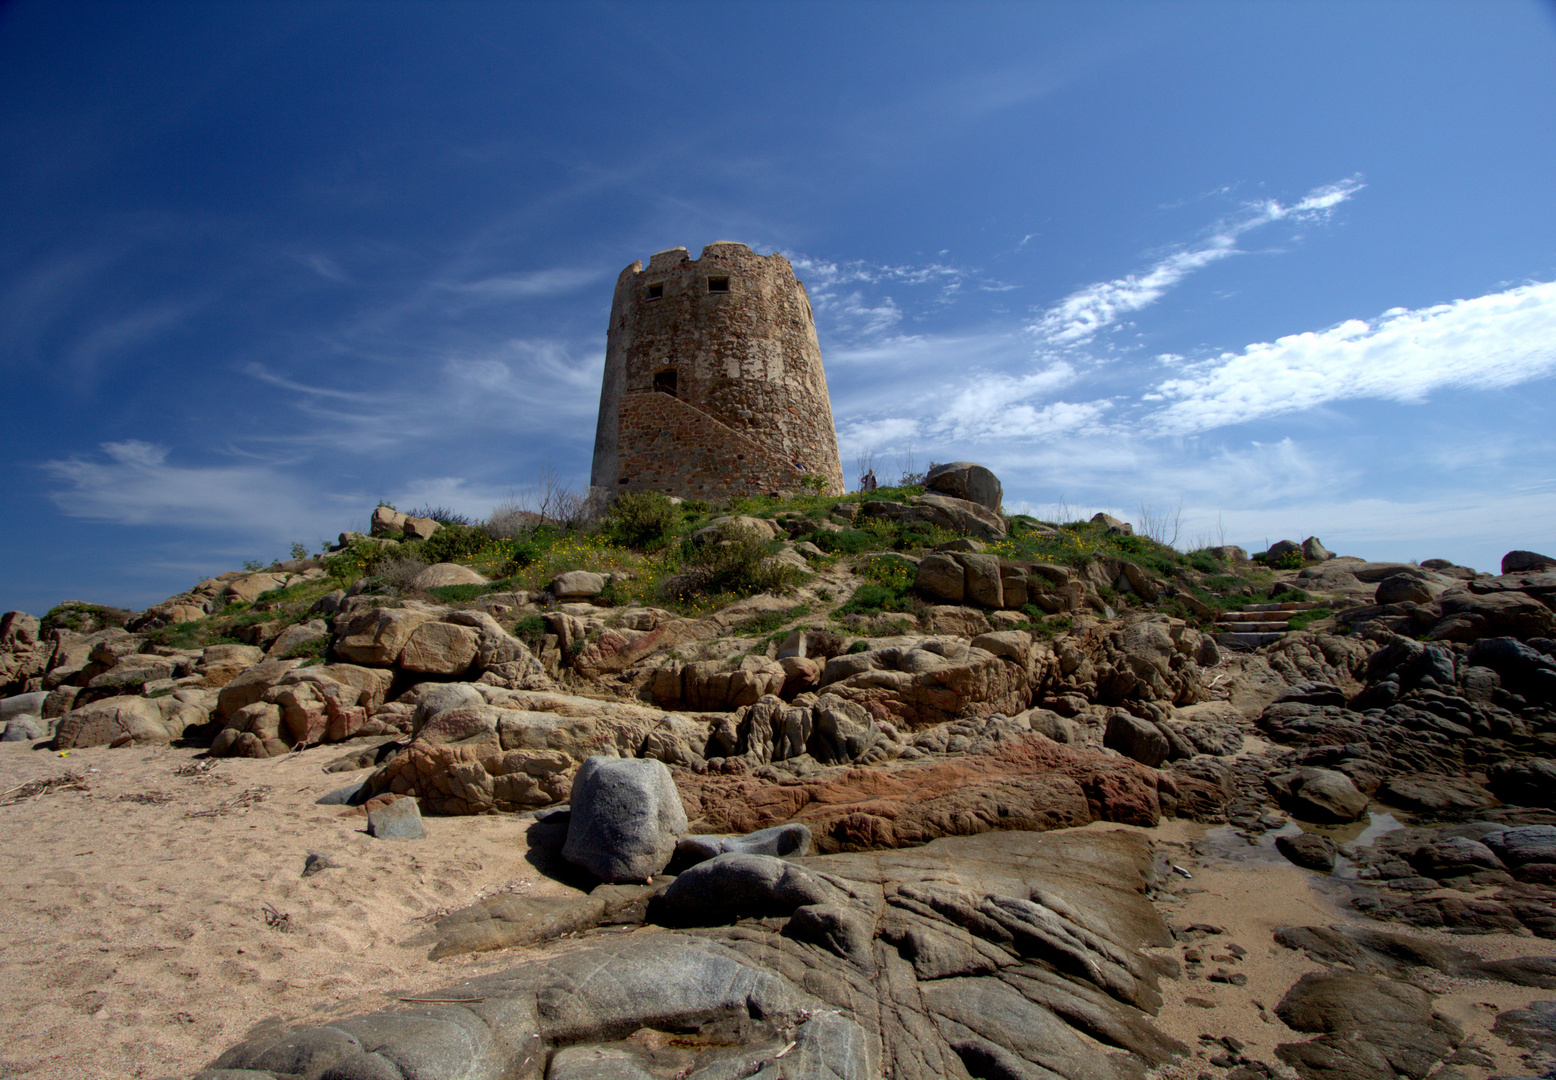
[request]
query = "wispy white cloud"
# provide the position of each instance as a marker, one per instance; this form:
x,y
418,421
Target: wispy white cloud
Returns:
x,y
854,313
265,375
1079,317
838,291
1488,342
534,283
326,267
137,486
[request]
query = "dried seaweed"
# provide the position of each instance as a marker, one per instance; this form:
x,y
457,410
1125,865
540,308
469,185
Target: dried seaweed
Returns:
x,y
148,798
241,801
68,781
276,919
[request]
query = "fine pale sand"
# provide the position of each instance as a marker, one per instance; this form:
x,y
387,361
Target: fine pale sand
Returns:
x,y
138,938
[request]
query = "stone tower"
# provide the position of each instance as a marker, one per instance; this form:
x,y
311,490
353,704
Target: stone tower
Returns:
x,y
713,381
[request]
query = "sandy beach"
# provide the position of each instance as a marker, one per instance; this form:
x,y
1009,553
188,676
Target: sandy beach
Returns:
x,y
154,918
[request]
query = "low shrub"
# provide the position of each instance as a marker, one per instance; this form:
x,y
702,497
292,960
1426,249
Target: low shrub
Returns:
x,y
888,587
871,597
443,515
463,594
398,572
846,542
527,548
641,519
1291,560
531,630
83,618
454,542
734,561
307,650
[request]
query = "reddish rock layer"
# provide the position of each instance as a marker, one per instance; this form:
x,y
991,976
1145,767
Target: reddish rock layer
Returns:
x,y
1032,784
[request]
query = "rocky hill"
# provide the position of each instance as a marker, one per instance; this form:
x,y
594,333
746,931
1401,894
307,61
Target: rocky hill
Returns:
x,y
910,671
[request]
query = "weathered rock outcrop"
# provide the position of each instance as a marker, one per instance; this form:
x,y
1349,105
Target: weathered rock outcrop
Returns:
x,y
1149,659
957,515
1007,781
1015,952
932,680
517,750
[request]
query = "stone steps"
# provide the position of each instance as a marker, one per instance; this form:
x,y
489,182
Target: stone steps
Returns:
x,y
1259,624
1241,640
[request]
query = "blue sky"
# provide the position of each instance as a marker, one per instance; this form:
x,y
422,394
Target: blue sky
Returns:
x,y
1289,267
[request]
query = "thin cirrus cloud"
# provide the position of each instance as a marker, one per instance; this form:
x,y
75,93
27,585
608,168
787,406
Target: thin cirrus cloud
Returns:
x,y
551,282
137,486
1078,318
1488,342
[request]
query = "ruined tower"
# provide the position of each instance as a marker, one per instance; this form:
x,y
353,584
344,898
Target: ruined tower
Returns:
x,y
713,381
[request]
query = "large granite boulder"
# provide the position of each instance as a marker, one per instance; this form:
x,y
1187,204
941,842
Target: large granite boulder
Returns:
x,y
1149,658
120,721
780,841
507,750
966,481
439,648
1135,738
960,516
714,685
626,819
1368,1025
1318,795
1526,562
440,574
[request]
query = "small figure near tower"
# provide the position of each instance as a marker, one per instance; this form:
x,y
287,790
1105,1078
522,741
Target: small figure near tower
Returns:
x,y
713,385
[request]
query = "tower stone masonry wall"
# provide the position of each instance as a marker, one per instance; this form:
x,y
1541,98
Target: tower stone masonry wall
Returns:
x,y
741,402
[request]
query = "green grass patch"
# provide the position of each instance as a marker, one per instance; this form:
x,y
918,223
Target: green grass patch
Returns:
x,y
888,586
305,650
1204,562
768,621
1303,619
845,542
463,594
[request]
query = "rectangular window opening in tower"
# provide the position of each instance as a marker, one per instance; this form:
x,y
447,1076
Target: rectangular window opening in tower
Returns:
x,y
656,291
718,284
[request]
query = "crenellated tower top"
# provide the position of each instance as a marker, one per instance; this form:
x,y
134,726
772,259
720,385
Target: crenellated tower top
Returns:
x,y
714,384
